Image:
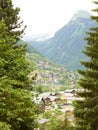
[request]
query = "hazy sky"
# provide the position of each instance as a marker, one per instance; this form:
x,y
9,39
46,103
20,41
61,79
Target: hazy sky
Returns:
x,y
42,16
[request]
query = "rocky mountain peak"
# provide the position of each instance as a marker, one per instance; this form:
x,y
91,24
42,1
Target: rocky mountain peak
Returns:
x,y
81,14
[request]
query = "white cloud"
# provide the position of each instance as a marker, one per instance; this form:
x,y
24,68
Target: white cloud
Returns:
x,y
42,16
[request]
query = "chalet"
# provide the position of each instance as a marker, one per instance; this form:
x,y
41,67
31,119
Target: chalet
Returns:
x,y
43,121
70,91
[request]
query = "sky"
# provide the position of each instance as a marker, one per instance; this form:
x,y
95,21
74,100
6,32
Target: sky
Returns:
x,y
48,16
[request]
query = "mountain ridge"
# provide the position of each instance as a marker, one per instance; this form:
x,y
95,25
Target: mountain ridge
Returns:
x,y
65,48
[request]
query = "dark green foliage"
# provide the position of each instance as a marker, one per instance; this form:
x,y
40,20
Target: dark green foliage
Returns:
x,y
12,57
17,110
13,61
41,88
16,107
11,18
4,126
86,110
58,124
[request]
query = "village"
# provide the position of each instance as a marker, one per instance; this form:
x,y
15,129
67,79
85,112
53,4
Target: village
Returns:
x,y
57,104
54,92
52,75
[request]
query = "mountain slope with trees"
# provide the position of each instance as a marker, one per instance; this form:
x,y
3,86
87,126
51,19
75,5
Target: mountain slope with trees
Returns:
x,y
66,45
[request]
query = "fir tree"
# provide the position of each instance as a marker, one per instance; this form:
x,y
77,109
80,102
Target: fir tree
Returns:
x,y
13,63
86,110
17,110
4,126
11,17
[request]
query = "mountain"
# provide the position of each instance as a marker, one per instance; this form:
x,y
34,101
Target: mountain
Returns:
x,y
47,74
65,48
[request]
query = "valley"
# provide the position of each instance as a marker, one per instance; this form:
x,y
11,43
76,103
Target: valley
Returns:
x,y
65,47
51,77
48,79
54,91
54,62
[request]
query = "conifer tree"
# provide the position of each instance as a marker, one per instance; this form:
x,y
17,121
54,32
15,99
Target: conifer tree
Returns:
x,y
13,63
86,110
16,65
11,17
4,126
17,110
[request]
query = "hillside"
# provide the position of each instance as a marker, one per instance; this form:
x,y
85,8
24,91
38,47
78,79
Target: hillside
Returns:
x,y
65,48
50,76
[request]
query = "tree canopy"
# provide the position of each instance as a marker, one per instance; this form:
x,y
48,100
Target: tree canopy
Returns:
x,y
17,109
11,17
86,110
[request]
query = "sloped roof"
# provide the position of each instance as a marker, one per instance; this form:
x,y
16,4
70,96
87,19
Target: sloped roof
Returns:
x,y
42,121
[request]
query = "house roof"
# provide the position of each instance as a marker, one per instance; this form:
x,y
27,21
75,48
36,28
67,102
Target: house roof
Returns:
x,y
45,95
42,121
69,90
52,98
